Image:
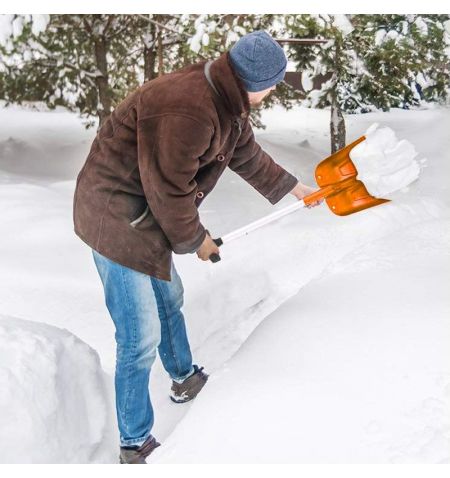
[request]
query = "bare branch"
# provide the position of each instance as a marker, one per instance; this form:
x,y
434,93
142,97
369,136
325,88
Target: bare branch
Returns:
x,y
161,25
87,25
108,24
302,41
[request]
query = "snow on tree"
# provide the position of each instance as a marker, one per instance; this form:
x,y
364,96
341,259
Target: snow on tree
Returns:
x,y
405,59
373,62
90,62
83,62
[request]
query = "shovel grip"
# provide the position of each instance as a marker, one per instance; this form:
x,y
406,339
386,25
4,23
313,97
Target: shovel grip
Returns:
x,y
218,242
214,258
318,195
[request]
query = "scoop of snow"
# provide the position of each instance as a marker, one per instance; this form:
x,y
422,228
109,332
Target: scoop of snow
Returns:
x,y
385,164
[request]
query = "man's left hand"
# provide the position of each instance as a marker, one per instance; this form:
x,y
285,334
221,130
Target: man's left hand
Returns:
x,y
301,190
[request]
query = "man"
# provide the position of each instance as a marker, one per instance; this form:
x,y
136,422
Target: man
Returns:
x,y
150,166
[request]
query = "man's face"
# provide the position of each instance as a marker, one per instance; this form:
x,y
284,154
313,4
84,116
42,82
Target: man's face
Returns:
x,y
256,97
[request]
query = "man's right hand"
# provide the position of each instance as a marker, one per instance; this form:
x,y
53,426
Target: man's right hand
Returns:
x,y
207,248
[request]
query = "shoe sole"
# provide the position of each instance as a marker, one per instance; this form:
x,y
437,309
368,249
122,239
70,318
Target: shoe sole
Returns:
x,y
174,400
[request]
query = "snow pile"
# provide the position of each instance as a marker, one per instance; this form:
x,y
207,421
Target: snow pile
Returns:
x,y
55,406
384,163
51,146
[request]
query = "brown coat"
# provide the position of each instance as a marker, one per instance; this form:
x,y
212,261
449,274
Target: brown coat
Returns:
x,y
156,158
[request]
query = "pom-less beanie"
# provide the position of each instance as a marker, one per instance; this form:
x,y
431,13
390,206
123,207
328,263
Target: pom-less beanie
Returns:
x,y
259,61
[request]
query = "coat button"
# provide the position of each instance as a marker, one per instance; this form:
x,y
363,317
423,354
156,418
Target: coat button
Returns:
x,y
220,157
200,194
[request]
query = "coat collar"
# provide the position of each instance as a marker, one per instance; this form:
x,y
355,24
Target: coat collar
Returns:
x,y
229,87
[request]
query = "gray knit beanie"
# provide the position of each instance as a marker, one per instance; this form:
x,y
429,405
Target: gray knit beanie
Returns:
x,y
259,60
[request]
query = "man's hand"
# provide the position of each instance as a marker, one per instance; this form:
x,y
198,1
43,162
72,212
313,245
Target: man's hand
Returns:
x,y
301,190
207,248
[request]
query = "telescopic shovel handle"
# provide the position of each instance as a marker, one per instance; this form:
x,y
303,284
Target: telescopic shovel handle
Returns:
x,y
243,231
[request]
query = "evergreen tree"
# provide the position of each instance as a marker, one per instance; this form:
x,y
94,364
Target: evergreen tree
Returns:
x,y
373,62
405,57
83,62
88,63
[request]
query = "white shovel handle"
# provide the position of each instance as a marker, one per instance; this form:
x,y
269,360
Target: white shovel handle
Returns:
x,y
242,231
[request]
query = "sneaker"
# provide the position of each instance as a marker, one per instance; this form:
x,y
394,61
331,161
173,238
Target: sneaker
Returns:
x,y
136,455
190,387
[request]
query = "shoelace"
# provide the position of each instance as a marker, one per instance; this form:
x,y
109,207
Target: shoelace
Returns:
x,y
200,371
148,447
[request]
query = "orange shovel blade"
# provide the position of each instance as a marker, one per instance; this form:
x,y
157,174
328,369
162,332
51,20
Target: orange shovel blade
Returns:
x,y
343,193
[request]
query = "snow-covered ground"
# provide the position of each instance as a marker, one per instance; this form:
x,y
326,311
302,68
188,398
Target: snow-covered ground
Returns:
x,y
326,337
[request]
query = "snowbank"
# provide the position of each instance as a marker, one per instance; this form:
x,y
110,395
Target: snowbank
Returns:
x,y
354,369
41,146
55,404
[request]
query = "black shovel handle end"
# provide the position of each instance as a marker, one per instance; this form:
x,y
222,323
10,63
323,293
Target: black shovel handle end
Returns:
x,y
214,258
218,242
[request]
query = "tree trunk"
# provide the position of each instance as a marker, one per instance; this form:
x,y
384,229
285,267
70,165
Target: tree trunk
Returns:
x,y
104,92
150,55
337,127
149,64
337,122
160,54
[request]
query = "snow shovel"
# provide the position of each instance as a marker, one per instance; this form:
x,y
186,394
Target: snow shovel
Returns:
x,y
336,178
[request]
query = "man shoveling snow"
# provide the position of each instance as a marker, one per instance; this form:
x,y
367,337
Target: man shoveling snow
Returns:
x,y
152,163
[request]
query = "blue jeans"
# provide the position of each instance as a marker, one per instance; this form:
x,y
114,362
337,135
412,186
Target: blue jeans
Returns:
x,y
146,312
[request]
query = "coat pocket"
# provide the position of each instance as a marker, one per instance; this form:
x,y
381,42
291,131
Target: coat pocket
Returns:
x,y
139,219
